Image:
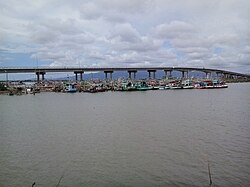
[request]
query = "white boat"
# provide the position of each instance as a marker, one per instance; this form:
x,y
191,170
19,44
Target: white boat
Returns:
x,y
187,84
188,87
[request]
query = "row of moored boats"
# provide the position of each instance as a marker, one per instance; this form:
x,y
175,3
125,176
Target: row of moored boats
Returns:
x,y
151,85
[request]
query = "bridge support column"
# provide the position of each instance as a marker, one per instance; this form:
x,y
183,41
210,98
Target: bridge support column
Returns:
x,y
217,75
110,74
38,76
170,74
130,72
166,73
149,74
81,77
208,74
76,75
223,75
183,74
43,73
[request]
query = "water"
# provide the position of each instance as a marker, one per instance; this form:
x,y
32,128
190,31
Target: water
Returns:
x,y
153,138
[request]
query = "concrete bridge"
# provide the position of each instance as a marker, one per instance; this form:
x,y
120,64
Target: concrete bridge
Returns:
x,y
41,71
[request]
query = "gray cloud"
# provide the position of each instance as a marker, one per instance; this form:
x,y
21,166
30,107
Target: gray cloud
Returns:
x,y
174,29
129,32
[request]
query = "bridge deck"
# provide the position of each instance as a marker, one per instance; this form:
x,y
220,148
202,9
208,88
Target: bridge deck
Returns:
x,y
94,69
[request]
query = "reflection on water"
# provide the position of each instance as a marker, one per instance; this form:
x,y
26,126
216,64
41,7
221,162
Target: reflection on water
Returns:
x,y
153,138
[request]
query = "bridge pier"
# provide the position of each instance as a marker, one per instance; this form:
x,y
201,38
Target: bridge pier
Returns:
x,y
38,76
76,75
130,72
110,74
217,75
151,71
208,74
183,74
166,73
170,74
220,74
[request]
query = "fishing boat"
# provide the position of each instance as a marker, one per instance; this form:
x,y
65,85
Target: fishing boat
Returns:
x,y
128,86
175,85
143,86
210,84
219,84
70,88
187,84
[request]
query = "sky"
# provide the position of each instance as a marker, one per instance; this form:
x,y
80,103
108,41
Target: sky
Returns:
x,y
126,33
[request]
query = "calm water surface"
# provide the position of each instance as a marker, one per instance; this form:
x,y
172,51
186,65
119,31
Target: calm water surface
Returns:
x,y
153,138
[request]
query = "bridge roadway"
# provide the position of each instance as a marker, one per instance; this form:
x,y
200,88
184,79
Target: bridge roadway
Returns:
x,y
109,70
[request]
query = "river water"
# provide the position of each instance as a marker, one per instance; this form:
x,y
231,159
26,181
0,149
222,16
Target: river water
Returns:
x,y
153,138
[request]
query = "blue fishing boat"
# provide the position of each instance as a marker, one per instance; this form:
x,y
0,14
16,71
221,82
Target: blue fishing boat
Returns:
x,y
143,86
70,88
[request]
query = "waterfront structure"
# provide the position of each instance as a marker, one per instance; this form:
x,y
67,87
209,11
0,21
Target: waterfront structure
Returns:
x,y
109,70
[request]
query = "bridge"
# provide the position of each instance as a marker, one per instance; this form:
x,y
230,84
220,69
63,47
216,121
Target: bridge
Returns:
x,y
41,71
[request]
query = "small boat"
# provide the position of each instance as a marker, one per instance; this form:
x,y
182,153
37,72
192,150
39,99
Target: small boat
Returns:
x,y
188,87
70,88
221,86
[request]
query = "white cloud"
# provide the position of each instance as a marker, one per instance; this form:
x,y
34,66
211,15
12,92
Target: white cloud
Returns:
x,y
125,33
174,29
128,32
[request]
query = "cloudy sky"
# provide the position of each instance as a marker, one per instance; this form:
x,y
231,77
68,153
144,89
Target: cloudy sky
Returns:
x,y
127,33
